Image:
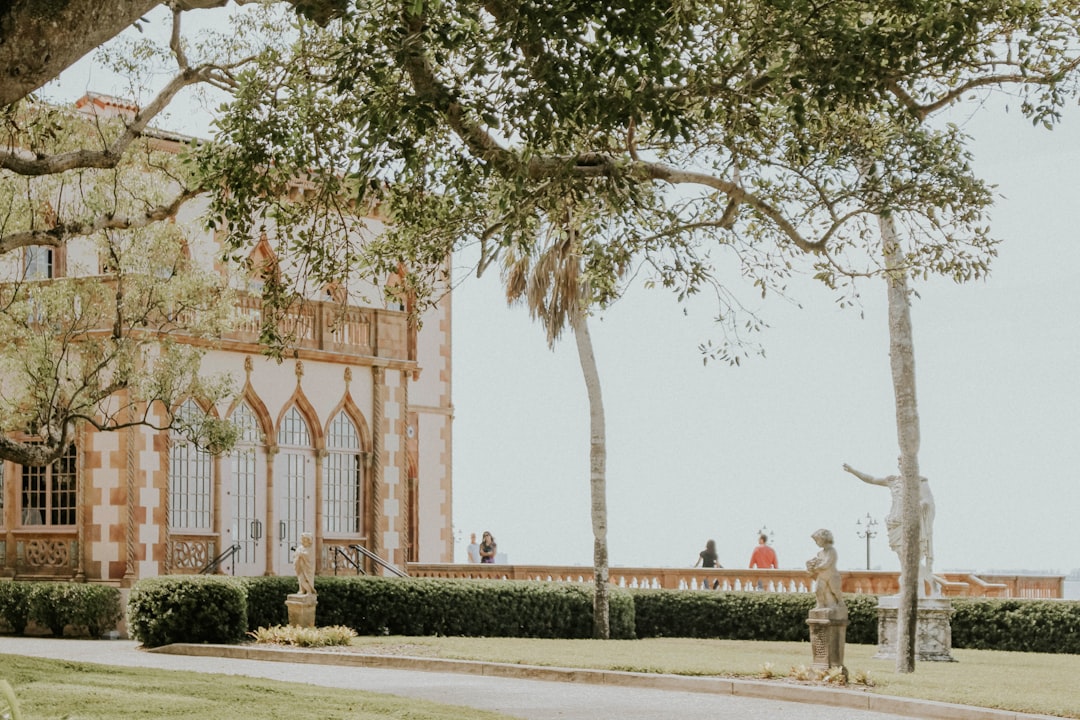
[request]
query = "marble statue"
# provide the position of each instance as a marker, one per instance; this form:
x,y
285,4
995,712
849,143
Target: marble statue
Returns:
x,y
894,524
305,565
822,567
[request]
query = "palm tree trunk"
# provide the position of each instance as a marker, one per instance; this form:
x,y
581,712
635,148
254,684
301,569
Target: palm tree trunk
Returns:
x,y
597,473
902,361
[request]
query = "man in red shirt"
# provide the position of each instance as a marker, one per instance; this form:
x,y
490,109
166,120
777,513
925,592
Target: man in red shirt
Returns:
x,y
763,555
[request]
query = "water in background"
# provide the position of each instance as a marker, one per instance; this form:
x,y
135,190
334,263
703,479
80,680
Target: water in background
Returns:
x,y
1072,590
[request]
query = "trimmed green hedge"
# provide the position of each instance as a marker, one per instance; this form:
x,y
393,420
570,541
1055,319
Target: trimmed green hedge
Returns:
x,y
188,608
432,606
743,615
221,610
14,605
86,607
1044,626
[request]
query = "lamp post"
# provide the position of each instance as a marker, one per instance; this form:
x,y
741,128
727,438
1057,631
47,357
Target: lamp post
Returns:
x,y
867,531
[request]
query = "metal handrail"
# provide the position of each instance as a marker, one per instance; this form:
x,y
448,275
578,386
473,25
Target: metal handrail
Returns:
x,y
379,561
349,559
214,564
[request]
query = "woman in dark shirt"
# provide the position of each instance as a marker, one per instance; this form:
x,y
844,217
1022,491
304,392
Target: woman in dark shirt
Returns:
x,y
487,548
708,558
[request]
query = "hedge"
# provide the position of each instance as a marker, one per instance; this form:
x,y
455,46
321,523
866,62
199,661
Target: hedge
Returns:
x,y
219,609
87,608
485,608
189,608
1044,626
743,615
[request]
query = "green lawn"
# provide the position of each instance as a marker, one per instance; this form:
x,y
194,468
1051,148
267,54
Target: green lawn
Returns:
x,y
1021,682
80,691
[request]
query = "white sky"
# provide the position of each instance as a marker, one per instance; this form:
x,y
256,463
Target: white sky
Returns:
x,y
697,452
717,452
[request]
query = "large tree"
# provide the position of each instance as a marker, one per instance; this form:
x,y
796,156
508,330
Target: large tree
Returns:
x,y
101,307
471,121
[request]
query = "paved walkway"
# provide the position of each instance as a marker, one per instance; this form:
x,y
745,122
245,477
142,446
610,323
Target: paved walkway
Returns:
x,y
530,693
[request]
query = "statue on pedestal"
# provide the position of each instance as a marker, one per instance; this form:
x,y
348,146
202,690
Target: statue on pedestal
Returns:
x,y
829,618
895,519
301,604
304,564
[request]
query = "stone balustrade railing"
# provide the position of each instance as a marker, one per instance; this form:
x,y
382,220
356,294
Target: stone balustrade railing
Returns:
x,y
331,327
868,582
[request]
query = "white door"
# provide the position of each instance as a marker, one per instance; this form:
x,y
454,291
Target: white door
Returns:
x,y
295,506
294,489
245,495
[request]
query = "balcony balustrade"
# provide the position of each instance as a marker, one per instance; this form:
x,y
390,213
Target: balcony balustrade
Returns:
x,y
867,582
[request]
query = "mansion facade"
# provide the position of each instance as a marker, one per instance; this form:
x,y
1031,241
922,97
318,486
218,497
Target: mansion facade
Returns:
x,y
349,438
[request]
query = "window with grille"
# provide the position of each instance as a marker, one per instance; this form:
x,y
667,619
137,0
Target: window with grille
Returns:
x,y
342,492
49,492
191,483
294,431
38,262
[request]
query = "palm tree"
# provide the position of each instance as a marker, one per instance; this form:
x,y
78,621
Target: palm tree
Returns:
x,y
551,283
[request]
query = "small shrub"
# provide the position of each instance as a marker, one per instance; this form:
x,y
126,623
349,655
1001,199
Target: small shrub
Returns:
x,y
14,608
304,637
862,677
192,608
804,673
89,607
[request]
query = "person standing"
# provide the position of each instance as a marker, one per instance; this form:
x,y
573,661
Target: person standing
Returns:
x,y
474,549
763,556
487,548
708,558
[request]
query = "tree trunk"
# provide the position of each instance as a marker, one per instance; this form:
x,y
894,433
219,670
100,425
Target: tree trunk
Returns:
x,y
902,361
597,474
38,40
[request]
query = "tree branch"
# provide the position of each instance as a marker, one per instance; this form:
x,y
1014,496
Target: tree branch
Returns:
x,y
924,110
57,236
109,157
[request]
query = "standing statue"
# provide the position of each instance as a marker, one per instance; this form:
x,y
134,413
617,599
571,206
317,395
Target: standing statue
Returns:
x,y
895,519
305,565
822,567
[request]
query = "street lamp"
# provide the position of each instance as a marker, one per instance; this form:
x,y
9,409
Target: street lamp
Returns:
x,y
867,531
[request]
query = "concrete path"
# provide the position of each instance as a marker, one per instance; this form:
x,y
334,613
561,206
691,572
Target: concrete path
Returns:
x,y
523,692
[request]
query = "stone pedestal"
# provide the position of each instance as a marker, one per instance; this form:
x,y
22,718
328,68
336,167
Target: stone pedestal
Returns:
x,y
301,609
828,628
933,631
